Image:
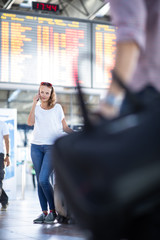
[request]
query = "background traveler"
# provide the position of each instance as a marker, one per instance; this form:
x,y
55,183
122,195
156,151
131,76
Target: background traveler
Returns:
x,y
4,161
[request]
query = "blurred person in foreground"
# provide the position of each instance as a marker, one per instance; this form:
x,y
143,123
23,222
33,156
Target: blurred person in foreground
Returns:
x,y
137,64
49,124
4,161
137,60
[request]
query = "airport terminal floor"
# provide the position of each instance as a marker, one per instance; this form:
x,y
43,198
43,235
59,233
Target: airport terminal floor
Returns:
x,y
16,223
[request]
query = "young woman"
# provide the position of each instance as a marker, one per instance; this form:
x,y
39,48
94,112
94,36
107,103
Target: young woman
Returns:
x,y
49,123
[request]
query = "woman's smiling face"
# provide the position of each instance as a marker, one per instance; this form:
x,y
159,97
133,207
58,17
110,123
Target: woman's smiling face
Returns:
x,y
45,93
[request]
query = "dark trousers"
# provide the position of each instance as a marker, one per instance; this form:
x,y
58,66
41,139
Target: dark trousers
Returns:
x,y
3,195
33,180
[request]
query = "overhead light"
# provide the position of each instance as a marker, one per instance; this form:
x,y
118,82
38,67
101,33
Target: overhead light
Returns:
x,y
26,4
104,10
14,95
101,12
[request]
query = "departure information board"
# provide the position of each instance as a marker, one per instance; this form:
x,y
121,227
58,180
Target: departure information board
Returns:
x,y
35,48
104,47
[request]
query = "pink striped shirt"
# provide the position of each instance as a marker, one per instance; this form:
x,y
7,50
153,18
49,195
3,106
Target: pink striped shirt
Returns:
x,y
139,21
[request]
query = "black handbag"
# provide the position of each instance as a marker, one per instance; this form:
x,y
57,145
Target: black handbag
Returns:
x,y
110,171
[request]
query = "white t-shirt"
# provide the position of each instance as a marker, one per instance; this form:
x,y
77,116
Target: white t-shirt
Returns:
x,y
3,131
48,125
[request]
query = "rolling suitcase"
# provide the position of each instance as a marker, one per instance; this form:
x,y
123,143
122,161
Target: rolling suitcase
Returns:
x,y
63,213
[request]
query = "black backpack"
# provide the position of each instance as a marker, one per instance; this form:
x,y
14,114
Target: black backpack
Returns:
x,y
110,171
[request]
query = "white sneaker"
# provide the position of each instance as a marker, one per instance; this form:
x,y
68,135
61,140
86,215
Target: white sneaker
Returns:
x,y
40,219
49,219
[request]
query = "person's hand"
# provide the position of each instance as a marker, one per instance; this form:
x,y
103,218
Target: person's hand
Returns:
x,y
107,111
6,161
36,98
109,107
104,111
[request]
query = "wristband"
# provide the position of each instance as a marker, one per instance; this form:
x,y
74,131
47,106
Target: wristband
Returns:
x,y
7,154
113,100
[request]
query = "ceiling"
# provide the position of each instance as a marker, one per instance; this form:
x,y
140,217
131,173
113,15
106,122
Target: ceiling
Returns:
x,y
84,9
22,99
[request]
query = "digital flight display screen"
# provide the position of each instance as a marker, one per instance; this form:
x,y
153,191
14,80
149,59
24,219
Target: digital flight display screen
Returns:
x,y
38,48
45,7
104,47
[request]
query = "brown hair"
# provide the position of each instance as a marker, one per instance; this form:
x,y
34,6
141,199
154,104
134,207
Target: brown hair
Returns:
x,y
52,99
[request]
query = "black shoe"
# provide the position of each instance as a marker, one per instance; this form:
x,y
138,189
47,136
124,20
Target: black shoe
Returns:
x,y
4,206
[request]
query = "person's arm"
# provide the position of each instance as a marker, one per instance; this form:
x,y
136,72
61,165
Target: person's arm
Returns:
x,y
31,117
6,159
65,127
126,61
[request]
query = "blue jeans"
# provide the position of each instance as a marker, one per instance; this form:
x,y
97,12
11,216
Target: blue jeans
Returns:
x,y
43,164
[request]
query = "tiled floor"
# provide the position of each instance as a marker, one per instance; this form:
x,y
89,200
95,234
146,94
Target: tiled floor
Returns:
x,y
17,223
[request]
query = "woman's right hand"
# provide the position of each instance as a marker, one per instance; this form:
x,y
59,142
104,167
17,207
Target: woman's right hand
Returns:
x,y
36,98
